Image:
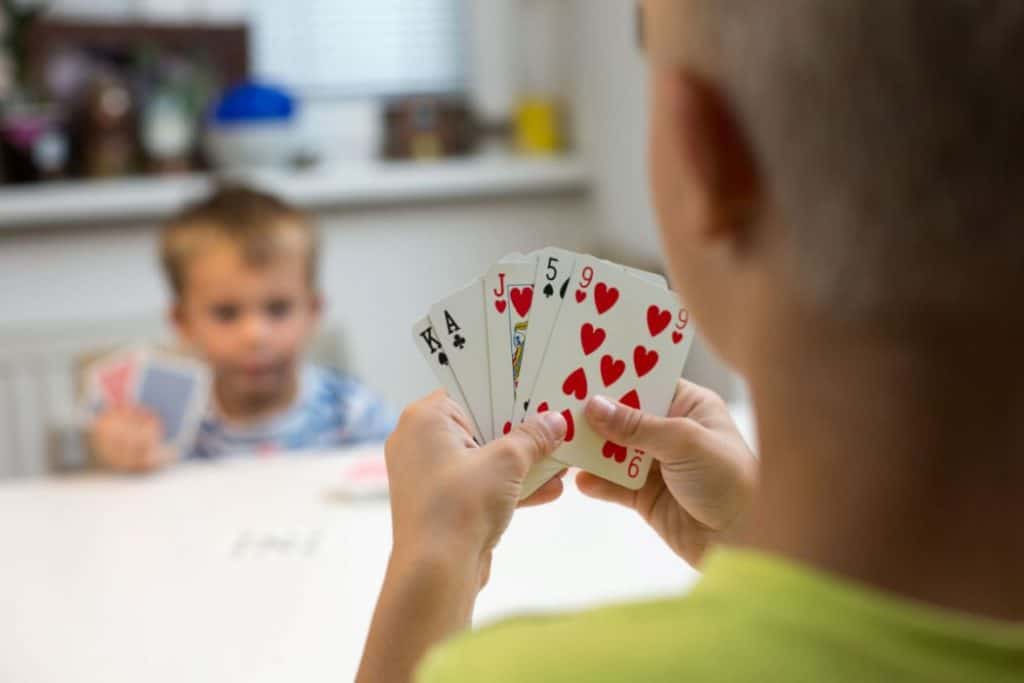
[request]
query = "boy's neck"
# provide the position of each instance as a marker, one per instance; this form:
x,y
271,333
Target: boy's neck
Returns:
x,y
898,467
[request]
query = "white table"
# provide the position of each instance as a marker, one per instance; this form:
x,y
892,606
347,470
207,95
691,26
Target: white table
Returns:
x,y
254,570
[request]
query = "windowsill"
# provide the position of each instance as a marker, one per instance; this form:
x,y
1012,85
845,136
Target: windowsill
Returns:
x,y
357,185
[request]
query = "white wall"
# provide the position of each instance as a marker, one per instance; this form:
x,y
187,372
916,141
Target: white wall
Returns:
x,y
610,101
381,270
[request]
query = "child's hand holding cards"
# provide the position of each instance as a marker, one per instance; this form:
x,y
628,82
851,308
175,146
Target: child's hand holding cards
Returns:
x,y
547,331
173,389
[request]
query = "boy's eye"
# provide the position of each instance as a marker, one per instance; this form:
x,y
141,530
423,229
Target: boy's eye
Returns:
x,y
279,308
225,313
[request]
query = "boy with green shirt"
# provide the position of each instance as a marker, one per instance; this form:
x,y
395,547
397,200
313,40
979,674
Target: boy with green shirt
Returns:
x,y
839,188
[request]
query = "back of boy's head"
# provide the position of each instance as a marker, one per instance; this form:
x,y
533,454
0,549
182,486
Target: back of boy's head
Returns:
x,y
261,226
890,136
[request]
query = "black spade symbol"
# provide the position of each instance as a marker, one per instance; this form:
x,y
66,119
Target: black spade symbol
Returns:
x,y
443,359
565,288
549,291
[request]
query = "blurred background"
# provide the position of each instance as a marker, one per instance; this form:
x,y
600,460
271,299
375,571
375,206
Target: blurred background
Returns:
x,y
427,137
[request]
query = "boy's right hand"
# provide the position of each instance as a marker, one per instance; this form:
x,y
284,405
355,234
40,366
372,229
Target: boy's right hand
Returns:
x,y
703,475
130,439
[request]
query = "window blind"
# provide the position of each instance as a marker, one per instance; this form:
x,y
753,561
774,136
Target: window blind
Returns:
x,y
360,47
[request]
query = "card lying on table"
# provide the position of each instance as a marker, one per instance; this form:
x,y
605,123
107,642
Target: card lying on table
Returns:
x,y
547,331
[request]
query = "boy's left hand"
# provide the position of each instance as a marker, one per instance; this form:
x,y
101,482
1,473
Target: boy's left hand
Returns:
x,y
452,499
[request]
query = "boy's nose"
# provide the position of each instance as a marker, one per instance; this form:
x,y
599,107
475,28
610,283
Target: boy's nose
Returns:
x,y
255,330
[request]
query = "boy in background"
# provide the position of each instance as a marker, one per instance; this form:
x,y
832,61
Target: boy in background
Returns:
x,y
242,269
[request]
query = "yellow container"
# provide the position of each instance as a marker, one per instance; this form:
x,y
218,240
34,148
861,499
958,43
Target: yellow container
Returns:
x,y
538,126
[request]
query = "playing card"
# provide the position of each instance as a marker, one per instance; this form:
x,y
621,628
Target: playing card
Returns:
x,y
646,276
176,390
429,344
619,336
553,273
509,290
110,381
461,325
365,478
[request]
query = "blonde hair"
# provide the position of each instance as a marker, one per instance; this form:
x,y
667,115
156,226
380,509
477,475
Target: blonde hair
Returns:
x,y
260,225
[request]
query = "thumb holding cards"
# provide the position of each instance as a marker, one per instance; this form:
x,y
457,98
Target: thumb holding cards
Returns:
x,y
446,492
130,439
701,462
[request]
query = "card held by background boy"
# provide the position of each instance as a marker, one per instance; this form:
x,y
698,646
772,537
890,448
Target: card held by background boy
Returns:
x,y
429,344
176,390
460,324
111,380
508,287
619,336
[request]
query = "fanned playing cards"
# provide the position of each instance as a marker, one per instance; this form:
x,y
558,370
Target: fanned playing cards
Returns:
x,y
545,332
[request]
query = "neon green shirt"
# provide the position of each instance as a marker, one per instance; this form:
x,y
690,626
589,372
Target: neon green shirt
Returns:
x,y
751,618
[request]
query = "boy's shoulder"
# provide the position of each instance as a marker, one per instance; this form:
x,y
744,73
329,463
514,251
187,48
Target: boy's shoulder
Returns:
x,y
617,644
322,382
749,619
335,399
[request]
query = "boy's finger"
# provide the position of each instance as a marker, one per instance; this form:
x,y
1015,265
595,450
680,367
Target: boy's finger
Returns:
x,y
602,489
662,436
548,493
529,443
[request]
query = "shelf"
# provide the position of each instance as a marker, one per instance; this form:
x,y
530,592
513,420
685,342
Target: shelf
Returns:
x,y
363,185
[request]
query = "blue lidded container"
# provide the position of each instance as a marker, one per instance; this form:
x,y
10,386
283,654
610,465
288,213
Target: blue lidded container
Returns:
x,y
252,125
253,102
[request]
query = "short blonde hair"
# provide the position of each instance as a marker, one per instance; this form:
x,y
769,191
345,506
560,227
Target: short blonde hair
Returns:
x,y
260,225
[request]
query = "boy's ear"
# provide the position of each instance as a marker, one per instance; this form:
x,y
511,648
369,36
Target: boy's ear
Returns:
x,y
725,182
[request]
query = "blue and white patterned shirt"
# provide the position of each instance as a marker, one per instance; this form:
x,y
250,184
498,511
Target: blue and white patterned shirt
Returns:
x,y
331,411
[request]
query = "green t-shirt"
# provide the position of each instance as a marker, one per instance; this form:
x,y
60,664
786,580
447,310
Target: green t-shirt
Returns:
x,y
752,617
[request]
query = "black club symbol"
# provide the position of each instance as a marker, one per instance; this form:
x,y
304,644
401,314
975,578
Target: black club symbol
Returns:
x,y
459,342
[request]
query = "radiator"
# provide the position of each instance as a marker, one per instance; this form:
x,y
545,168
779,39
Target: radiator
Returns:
x,y
40,429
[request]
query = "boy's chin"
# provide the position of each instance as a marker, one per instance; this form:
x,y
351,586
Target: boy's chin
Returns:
x,y
260,389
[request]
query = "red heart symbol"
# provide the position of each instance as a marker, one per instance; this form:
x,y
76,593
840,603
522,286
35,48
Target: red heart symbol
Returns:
x,y
632,399
570,426
507,428
522,299
576,384
611,370
116,383
591,337
657,320
677,337
580,296
543,407
500,304
614,451
605,297
644,360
